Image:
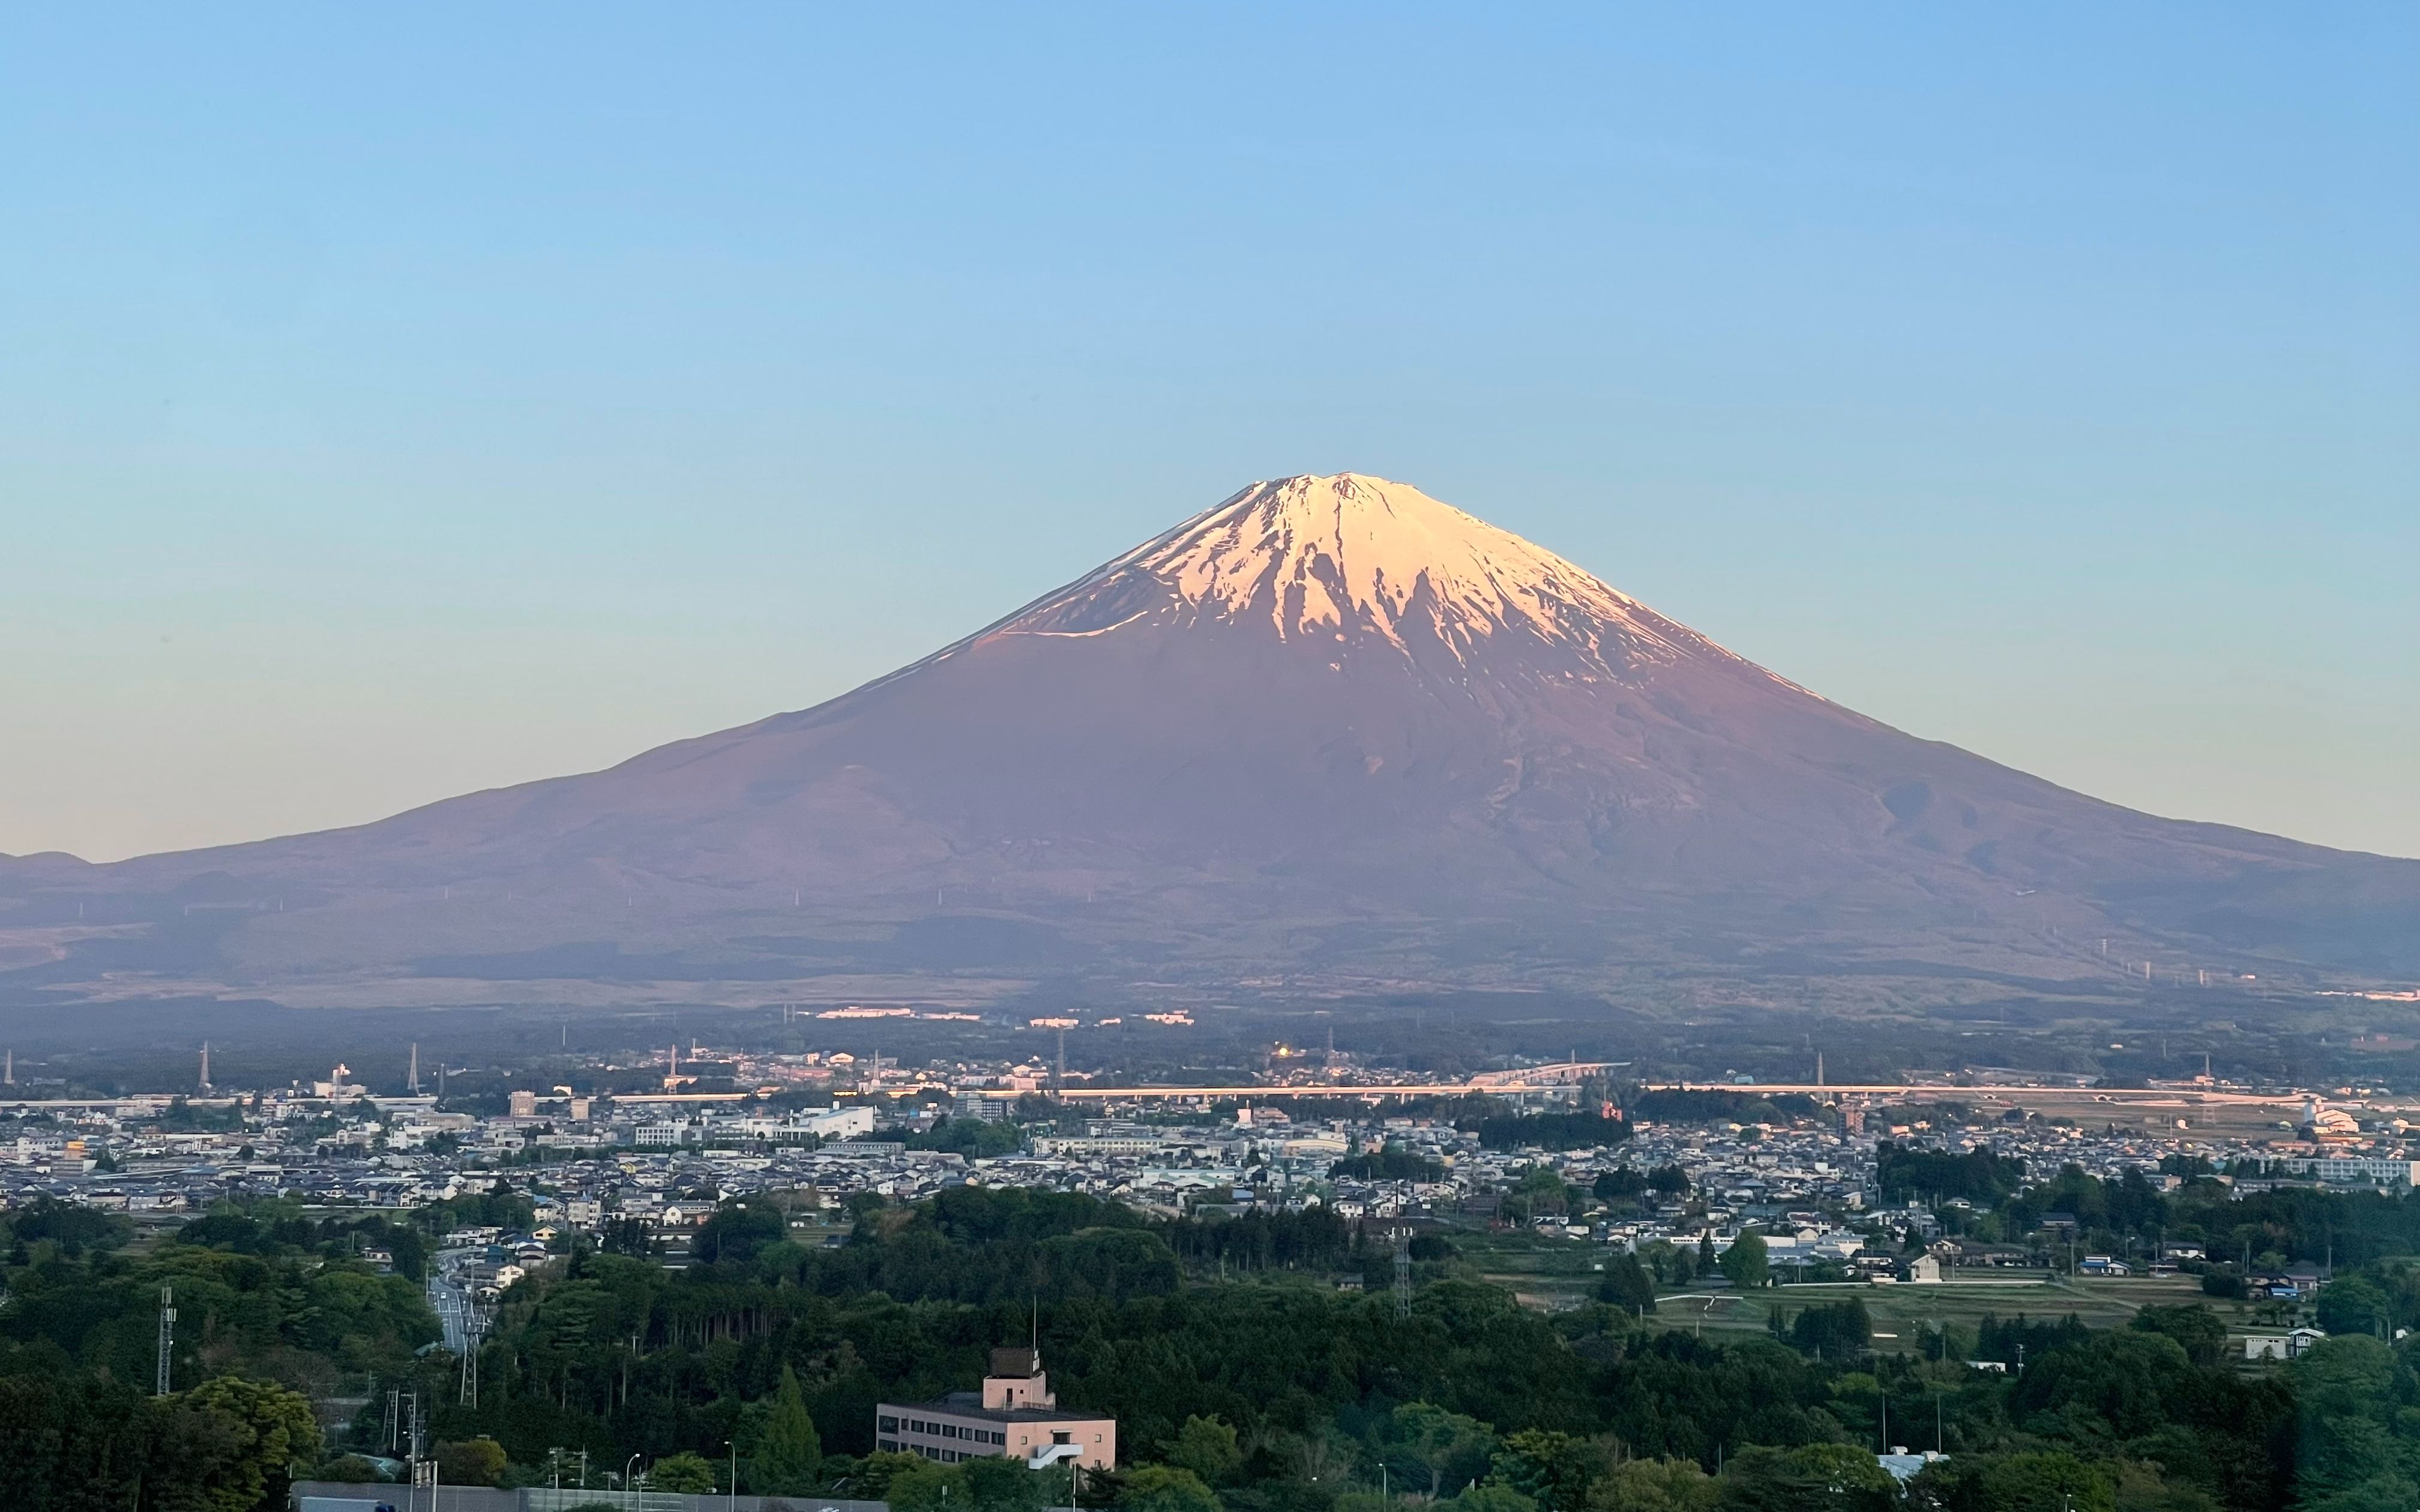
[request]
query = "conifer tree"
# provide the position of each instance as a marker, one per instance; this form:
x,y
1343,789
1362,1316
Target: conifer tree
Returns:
x,y
791,1452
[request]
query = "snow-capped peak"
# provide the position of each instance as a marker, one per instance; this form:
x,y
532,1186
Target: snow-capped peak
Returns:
x,y
1351,557
1325,554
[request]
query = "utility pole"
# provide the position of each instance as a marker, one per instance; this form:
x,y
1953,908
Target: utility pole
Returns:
x,y
167,1335
412,1441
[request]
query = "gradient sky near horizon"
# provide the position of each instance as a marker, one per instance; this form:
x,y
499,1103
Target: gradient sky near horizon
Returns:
x,y
398,403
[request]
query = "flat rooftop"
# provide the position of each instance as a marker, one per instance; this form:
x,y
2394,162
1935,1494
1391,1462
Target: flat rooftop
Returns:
x,y
969,1404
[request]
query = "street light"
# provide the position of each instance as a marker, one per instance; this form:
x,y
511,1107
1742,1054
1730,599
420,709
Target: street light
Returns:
x,y
630,1487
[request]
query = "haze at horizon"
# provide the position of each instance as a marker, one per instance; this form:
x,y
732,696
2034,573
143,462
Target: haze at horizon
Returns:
x,y
389,410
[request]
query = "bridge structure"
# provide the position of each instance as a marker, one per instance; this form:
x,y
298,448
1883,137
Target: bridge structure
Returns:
x,y
2296,1100
1560,1080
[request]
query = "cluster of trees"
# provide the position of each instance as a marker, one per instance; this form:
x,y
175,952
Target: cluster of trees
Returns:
x,y
2262,1230
1273,1393
1392,1163
1678,1106
1745,1262
1980,1175
1314,1239
273,1309
1624,1182
270,1294
1549,1130
76,1440
1268,1392
975,1138
1835,1331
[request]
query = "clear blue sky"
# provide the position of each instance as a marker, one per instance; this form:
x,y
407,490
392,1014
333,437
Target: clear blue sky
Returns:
x,y
398,404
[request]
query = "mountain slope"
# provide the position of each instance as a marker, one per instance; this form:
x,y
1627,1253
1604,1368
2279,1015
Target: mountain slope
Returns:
x,y
1330,728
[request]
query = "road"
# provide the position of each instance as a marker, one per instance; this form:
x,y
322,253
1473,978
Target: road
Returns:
x,y
448,1299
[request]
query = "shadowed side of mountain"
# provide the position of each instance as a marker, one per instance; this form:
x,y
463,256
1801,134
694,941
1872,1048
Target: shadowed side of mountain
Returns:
x,y
1330,727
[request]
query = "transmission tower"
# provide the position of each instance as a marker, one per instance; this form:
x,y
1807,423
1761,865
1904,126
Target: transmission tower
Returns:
x,y
167,1334
1402,1272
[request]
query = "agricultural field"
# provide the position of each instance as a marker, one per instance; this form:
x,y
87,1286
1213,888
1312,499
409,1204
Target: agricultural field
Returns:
x,y
1553,1275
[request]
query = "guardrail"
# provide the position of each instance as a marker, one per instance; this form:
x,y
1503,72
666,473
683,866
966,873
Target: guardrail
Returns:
x,y
551,1499
548,1499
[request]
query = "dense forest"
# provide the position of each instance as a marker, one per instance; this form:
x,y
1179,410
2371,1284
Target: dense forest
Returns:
x,y
1242,1377
273,1311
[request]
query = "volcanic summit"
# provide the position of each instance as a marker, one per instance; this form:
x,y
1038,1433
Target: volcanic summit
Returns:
x,y
1330,732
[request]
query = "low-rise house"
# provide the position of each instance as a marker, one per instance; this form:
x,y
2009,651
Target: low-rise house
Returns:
x,y
2287,1345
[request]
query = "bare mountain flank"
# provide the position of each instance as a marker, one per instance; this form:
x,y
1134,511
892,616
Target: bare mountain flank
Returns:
x,y
1332,735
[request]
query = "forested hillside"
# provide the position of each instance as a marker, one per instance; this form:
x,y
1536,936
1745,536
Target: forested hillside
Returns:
x,y
1267,1391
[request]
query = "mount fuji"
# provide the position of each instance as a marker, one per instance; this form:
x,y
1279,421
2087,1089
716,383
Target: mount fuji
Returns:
x,y
1328,736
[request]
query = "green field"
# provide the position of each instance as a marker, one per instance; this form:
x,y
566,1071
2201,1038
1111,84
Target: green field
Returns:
x,y
1899,1310
1550,1274
1554,1274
